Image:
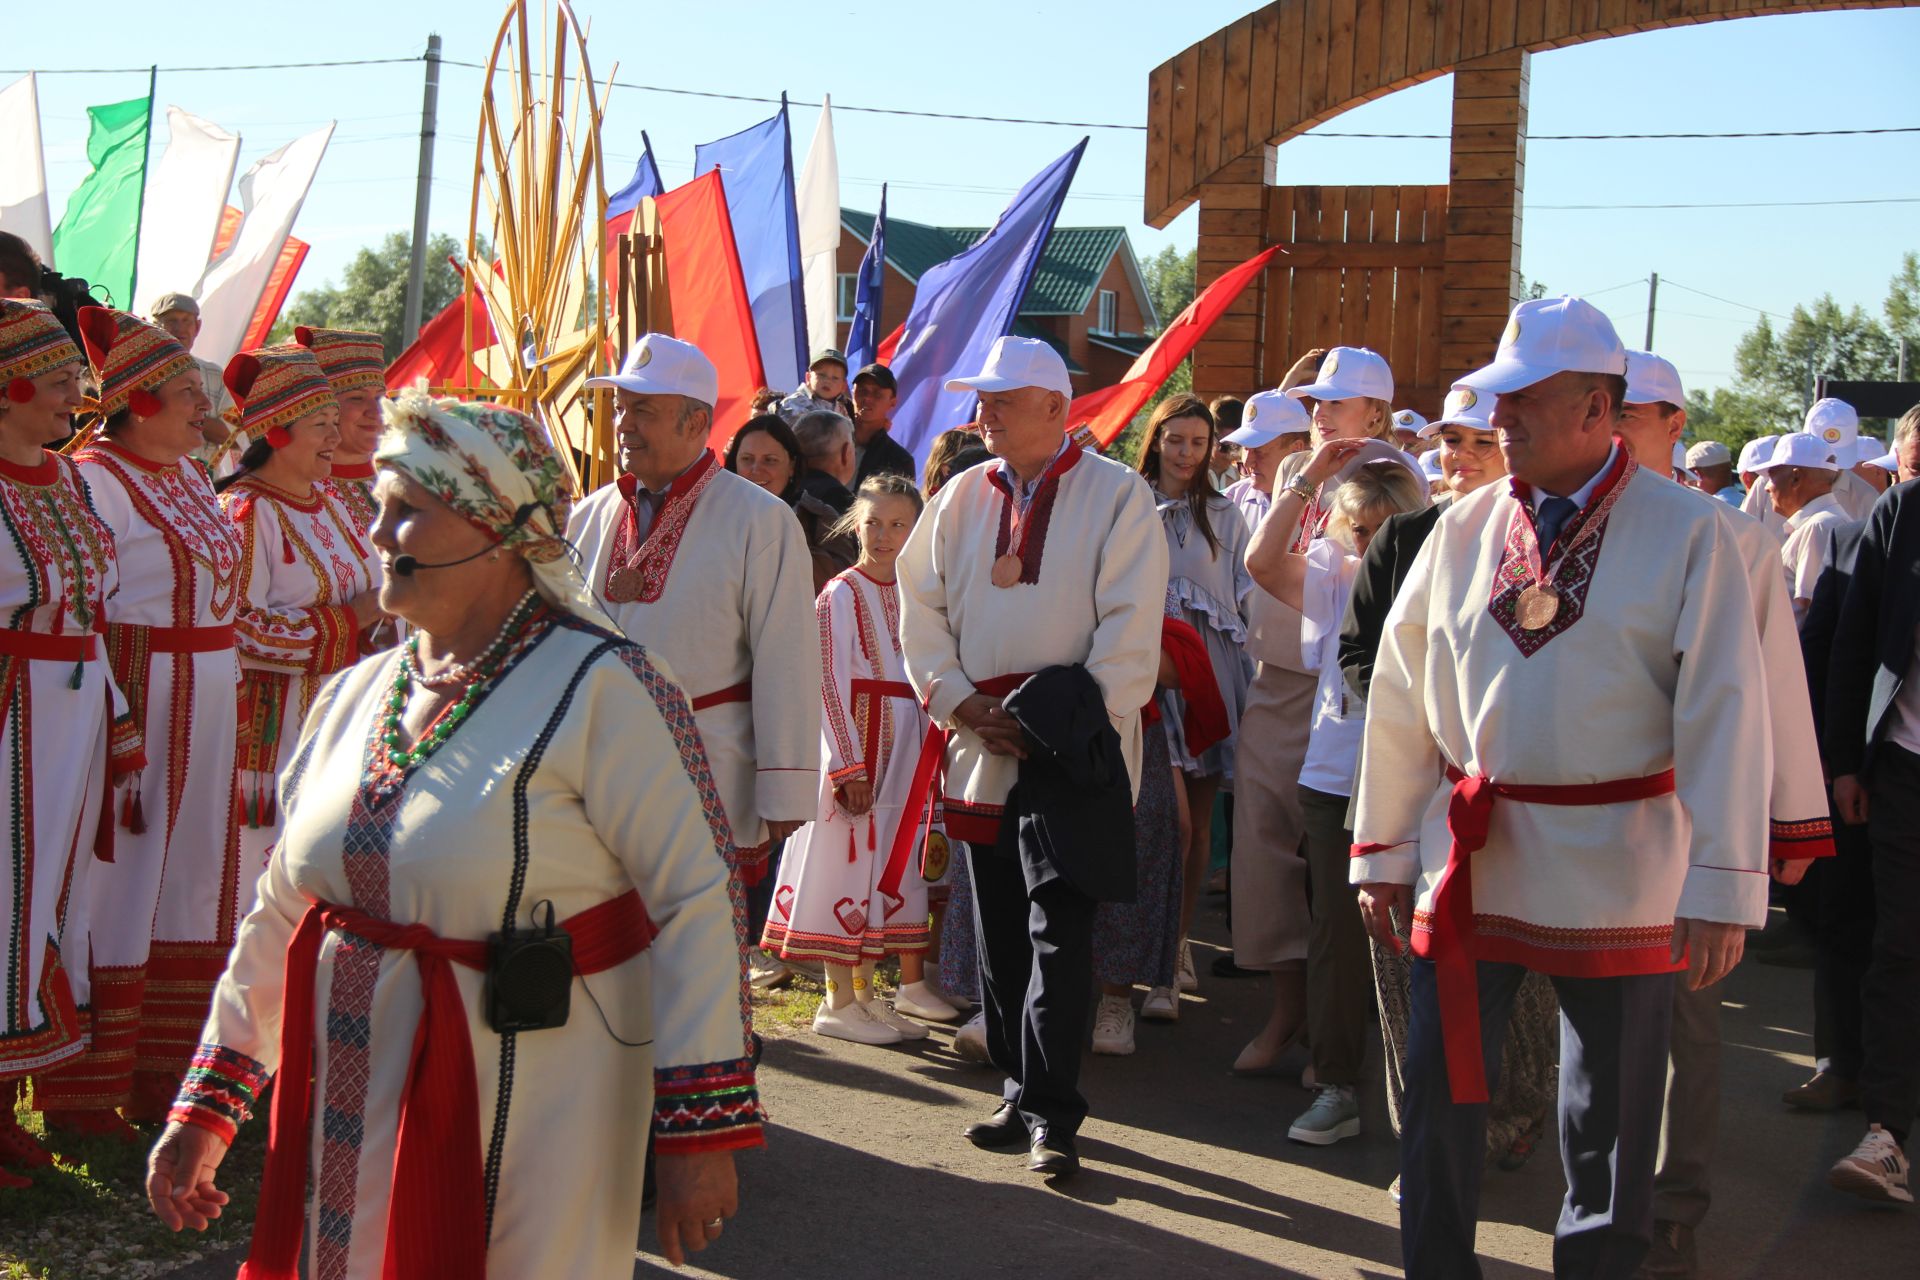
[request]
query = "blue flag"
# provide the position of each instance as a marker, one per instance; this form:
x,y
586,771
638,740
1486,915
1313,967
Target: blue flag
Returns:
x,y
862,336
756,169
644,183
963,304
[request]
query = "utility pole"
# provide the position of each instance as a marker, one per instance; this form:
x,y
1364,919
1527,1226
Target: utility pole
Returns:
x,y
1653,294
422,195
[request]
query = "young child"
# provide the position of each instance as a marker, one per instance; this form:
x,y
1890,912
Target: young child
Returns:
x,y
840,900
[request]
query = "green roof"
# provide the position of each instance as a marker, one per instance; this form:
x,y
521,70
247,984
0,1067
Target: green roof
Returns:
x,y
1063,284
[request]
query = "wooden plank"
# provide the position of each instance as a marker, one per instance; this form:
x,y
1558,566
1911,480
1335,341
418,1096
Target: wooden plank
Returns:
x,y
1462,274
1381,284
1236,328
1470,81
1419,37
1498,248
1353,278
1612,17
1231,248
1557,19
1474,138
1481,194
1366,47
1333,222
1446,32
1481,222
1260,86
1497,167
1473,27
1230,222
1500,23
1403,340
1289,58
1231,195
1206,120
1478,302
1318,18
1530,20
1234,142
1181,177
1159,111
1363,255
1340,39
1308,285
1277,328
1504,109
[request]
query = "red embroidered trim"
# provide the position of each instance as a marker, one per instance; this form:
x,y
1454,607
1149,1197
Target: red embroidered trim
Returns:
x,y
1033,529
637,571
1574,577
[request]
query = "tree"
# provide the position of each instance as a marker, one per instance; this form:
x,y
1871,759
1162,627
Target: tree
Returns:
x,y
1775,371
372,293
1169,277
1903,306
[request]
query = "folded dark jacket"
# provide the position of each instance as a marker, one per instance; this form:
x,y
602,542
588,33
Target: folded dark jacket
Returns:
x,y
1070,814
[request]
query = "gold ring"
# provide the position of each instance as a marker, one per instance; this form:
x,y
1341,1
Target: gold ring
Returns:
x,y
715,1224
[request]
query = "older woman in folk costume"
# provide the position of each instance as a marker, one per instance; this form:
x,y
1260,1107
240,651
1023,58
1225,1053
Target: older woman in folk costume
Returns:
x,y
57,571
1208,587
356,367
516,767
165,911
309,580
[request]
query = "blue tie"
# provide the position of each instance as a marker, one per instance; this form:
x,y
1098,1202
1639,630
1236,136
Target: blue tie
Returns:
x,y
1551,519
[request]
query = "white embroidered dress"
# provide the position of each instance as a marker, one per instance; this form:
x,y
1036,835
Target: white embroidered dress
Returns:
x,y
838,898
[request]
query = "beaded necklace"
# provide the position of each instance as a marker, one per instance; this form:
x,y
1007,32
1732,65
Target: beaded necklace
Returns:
x,y
477,678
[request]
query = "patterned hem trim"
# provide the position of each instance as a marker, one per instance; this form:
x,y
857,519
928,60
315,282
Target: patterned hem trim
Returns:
x,y
974,823
789,945
714,1106
852,773
1623,951
219,1090
1797,841
62,1036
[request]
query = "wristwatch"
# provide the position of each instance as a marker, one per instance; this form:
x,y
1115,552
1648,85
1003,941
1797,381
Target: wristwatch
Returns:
x,y
1301,488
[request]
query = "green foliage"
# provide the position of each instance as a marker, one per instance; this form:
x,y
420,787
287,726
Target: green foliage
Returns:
x,y
372,293
1169,277
1775,369
1903,307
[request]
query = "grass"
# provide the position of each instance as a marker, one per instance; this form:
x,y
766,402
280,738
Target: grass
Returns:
x,y
789,1010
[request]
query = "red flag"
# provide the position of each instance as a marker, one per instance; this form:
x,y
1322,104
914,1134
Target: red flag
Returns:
x,y
274,296
1108,411
888,345
711,307
439,352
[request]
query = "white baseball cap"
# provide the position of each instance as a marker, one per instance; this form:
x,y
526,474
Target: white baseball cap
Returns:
x,y
1889,462
1348,373
1652,379
1867,448
1430,466
1408,420
1013,363
1679,456
1545,336
1464,407
1268,416
1835,422
1801,449
1708,453
1754,452
661,366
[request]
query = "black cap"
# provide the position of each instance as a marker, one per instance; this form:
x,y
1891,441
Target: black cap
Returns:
x,y
878,373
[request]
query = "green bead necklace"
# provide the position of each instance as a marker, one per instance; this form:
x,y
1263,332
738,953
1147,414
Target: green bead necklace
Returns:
x,y
480,674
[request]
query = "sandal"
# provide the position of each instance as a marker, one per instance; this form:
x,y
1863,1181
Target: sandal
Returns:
x,y
1520,1150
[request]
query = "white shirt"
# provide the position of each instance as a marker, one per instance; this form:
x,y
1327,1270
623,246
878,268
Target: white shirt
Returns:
x,y
1339,715
1809,546
1903,724
1581,495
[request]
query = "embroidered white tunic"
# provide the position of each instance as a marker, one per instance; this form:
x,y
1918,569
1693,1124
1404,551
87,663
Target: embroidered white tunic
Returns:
x,y
1093,592
732,615
174,885
1651,663
57,569
834,901
301,561
619,799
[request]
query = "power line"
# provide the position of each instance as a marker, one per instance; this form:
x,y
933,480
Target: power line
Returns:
x,y
1635,137
1594,293
243,66
1729,301
1737,204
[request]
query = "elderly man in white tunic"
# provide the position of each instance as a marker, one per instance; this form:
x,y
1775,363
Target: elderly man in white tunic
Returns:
x,y
711,572
1050,556
1561,757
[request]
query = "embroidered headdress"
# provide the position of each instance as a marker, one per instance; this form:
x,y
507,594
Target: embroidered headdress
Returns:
x,y
275,386
351,359
32,342
131,358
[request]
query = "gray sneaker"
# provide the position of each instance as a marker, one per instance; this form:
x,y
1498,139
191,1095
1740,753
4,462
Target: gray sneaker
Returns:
x,y
1335,1114
1672,1256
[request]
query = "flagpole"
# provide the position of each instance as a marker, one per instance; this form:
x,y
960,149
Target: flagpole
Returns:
x,y
139,217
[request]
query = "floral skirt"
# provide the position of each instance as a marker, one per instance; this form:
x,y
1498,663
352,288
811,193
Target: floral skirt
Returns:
x,y
1139,941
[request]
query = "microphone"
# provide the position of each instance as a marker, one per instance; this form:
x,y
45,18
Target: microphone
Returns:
x,y
404,566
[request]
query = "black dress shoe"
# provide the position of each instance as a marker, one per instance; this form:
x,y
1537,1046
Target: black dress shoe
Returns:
x,y
1004,1128
1052,1154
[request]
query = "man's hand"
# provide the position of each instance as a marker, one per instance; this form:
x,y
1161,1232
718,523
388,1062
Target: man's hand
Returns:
x,y
998,732
1380,904
778,831
180,1173
1850,798
856,796
1791,872
698,1193
1712,949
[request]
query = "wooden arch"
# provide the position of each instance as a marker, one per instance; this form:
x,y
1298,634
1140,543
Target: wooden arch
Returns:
x,y
1436,269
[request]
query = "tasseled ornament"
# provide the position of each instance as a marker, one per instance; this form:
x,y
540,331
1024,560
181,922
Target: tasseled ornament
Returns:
x,y
872,839
853,848
75,680
286,553
250,809
133,815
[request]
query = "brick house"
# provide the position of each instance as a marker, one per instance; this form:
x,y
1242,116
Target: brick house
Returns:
x,y
1087,297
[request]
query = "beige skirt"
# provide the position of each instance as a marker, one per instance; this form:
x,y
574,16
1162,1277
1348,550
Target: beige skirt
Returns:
x,y
1270,916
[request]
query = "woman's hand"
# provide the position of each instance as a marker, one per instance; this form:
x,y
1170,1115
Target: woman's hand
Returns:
x,y
1329,458
366,610
180,1176
698,1193
856,796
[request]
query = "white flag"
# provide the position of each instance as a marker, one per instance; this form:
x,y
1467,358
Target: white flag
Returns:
x,y
818,202
23,176
180,212
271,193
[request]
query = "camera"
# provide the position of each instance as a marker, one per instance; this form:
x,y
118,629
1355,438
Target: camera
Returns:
x,y
64,296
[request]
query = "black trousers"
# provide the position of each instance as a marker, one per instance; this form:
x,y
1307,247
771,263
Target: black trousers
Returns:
x,y
1036,986
1843,947
1613,1075
1890,1075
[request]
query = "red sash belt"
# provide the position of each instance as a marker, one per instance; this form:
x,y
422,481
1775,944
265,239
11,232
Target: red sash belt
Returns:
x,y
742,692
929,773
874,691
82,646
1469,815
183,639
436,1222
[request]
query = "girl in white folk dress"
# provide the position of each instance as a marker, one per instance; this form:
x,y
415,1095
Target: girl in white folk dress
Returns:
x,y
845,898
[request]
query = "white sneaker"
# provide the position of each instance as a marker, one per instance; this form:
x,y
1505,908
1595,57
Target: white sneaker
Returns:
x,y
1335,1114
919,1000
885,1013
1183,977
970,1042
851,1021
1161,1005
766,972
1877,1169
1113,1026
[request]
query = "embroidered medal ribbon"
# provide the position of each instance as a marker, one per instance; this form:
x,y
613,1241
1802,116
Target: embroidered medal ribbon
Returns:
x,y
639,572
437,1217
1539,601
1022,539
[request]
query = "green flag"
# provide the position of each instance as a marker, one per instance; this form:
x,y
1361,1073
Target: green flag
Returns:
x,y
97,235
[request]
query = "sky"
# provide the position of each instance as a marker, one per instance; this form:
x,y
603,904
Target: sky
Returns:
x,y
1082,62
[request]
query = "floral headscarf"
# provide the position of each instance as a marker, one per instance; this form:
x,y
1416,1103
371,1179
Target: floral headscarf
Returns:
x,y
495,466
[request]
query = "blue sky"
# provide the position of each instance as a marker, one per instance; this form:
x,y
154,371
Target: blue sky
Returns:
x,y
1086,62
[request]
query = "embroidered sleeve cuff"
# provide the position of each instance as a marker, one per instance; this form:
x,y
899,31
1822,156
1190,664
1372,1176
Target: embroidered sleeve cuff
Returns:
x,y
852,773
711,1107
1798,841
1384,863
219,1090
335,644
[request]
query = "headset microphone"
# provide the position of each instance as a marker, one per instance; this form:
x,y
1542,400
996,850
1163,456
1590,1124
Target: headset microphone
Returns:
x,y
407,566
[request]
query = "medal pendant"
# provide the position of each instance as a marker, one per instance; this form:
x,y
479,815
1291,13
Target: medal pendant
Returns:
x,y
1537,607
1006,571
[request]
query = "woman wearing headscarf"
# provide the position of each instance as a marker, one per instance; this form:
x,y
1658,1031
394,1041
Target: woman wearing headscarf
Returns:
x,y
166,909
57,570
515,772
309,581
